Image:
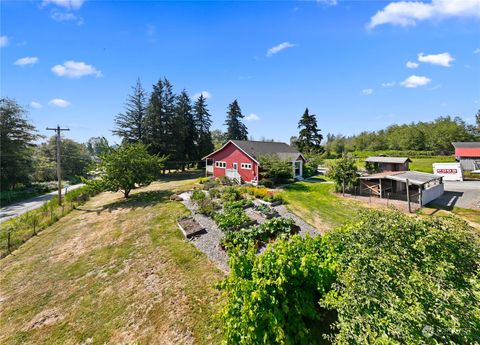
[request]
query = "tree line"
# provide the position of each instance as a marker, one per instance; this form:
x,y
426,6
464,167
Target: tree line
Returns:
x,y
25,159
174,125
435,136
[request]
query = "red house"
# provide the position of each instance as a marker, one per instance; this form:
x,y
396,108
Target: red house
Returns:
x,y
239,159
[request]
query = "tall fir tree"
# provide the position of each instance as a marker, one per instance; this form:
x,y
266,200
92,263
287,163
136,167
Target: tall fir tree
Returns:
x,y
202,124
130,125
236,129
184,129
309,137
160,119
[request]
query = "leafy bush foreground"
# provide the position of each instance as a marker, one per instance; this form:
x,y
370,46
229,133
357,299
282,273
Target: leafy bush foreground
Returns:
x,y
385,278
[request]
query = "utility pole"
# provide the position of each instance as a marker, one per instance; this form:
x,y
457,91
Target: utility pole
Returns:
x,y
58,130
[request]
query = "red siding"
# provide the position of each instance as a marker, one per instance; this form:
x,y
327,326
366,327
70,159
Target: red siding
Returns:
x,y
467,152
232,154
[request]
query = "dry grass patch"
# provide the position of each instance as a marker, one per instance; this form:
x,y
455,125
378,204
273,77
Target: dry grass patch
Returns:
x,y
115,271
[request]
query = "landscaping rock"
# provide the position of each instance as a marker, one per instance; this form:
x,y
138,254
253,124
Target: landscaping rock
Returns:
x,y
175,197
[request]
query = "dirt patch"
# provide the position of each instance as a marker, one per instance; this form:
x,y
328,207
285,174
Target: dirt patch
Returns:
x,y
45,318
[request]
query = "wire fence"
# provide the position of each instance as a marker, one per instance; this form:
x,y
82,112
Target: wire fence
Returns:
x,y
18,230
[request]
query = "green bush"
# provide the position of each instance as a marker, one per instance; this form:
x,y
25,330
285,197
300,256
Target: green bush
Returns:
x,y
403,280
273,298
231,194
275,169
231,218
203,180
215,193
243,203
270,229
224,181
197,195
267,183
207,207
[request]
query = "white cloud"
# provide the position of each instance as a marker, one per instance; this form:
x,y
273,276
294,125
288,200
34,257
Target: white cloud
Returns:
x,y
388,84
35,105
205,94
411,64
442,59
414,81
408,13
75,69
66,17
28,60
58,102
3,41
476,51
367,92
278,48
328,2
252,117
68,4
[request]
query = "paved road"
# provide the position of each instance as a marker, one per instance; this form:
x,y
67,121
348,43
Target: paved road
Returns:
x,y
22,207
464,194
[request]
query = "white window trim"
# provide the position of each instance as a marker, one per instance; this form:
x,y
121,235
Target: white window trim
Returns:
x,y
246,166
220,164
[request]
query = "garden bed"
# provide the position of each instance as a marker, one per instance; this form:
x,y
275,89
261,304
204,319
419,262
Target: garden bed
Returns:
x,y
190,227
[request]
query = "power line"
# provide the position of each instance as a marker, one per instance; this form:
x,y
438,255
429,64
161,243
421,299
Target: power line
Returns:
x,y
58,131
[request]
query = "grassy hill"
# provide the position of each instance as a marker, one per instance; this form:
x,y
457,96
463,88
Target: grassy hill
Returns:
x,y
115,271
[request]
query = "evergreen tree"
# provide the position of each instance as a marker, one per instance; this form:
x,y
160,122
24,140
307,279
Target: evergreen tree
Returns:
x,y
130,124
202,124
309,137
16,141
236,130
185,131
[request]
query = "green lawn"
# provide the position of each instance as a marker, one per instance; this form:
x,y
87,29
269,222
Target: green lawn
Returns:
x,y
115,271
316,204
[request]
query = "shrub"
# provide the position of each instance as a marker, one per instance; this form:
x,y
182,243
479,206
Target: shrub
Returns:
x,y
275,169
214,193
231,218
224,181
210,184
273,298
231,194
267,183
197,195
273,228
243,203
203,180
406,280
207,207
344,172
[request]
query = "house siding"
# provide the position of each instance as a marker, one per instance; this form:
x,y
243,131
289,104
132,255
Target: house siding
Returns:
x,y
231,154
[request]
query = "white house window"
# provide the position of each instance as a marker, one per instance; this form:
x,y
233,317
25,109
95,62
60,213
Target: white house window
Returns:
x,y
247,166
220,164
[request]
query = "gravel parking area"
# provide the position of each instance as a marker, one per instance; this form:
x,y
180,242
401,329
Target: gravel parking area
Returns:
x,y
464,194
208,242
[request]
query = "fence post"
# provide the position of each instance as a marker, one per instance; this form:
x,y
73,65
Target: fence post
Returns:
x,y
9,230
408,196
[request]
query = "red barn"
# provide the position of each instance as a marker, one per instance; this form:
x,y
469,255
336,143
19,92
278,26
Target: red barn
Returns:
x,y
239,159
468,154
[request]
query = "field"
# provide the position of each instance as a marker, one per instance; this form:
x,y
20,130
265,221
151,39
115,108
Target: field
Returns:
x,y
115,271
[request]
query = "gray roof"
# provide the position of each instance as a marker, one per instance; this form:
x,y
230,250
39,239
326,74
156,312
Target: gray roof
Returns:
x,y
383,159
466,144
255,149
414,177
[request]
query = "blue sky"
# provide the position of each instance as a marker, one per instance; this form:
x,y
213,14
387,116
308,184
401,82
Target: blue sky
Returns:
x,y
72,62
